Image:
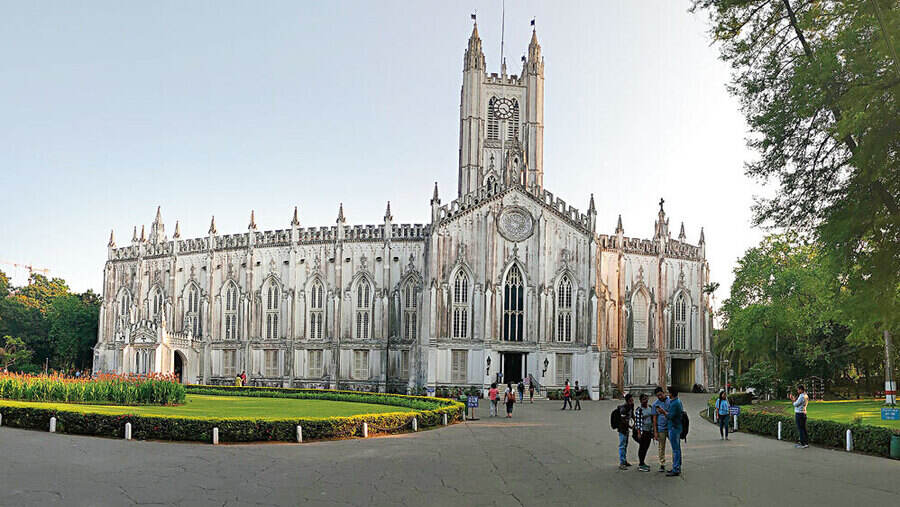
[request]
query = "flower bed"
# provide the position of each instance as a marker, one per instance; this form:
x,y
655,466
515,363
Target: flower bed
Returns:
x,y
115,389
429,412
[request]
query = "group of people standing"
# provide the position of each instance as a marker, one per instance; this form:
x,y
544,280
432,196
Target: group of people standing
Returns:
x,y
661,421
509,395
567,396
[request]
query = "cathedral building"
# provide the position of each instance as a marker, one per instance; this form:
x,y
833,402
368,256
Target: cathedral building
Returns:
x,y
506,280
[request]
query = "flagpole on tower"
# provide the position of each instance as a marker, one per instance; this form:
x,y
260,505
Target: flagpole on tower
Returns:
x,y
502,28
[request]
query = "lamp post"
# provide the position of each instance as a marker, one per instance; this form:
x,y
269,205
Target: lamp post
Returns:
x,y
726,363
546,365
487,373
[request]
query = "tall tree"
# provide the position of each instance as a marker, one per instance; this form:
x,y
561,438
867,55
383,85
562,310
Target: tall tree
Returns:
x,y
818,82
13,352
73,330
4,284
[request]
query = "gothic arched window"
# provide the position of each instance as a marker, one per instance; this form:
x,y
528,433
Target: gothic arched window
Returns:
x,y
493,123
461,305
410,311
564,310
640,310
513,306
232,332
680,322
155,303
192,311
363,308
272,299
124,304
316,310
512,124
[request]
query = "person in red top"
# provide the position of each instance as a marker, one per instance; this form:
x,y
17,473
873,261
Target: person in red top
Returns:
x,y
567,396
492,395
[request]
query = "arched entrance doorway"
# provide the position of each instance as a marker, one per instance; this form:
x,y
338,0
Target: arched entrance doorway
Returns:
x,y
178,368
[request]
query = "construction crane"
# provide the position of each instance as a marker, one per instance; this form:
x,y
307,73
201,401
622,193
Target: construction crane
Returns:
x,y
31,269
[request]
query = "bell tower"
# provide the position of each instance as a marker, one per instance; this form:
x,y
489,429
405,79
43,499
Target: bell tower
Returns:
x,y
501,124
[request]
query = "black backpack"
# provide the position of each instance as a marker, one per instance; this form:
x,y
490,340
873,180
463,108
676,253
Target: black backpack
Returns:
x,y
615,418
685,425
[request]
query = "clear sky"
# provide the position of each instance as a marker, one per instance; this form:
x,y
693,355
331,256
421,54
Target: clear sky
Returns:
x,y
108,109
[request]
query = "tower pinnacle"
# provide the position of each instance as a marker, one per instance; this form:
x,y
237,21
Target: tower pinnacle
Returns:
x,y
212,225
112,240
296,220
340,217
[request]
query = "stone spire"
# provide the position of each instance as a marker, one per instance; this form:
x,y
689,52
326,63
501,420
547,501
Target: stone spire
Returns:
x,y
134,236
212,225
702,237
434,198
252,225
387,213
474,59
591,207
177,234
681,235
340,217
619,228
157,229
143,236
534,48
112,240
296,220
661,226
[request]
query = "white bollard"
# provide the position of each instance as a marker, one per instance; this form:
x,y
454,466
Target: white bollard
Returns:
x,y
849,441
444,421
1,419
365,430
415,424
735,422
299,434
779,430
215,436
127,431
52,425
707,412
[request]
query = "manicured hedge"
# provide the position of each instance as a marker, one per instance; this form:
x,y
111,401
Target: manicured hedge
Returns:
x,y
237,429
869,439
556,394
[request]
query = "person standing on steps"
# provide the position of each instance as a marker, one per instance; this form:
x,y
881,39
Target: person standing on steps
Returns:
x,y
643,424
521,389
660,425
674,421
567,396
510,399
577,397
800,402
722,412
626,414
530,390
493,395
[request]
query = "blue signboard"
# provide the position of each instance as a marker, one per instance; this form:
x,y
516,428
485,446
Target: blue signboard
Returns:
x,y
734,410
473,402
890,414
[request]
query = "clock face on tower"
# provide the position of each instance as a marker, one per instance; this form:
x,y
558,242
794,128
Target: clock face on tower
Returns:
x,y
503,108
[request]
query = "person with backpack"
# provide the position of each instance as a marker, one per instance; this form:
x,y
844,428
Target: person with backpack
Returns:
x,y
567,396
620,420
493,396
577,397
674,419
722,411
510,398
521,389
643,431
660,425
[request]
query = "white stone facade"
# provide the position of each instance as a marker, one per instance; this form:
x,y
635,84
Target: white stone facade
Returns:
x,y
506,278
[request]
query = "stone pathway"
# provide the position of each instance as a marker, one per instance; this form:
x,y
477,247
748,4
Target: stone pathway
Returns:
x,y
540,457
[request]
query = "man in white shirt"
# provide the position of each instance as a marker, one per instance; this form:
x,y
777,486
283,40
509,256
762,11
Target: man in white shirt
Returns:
x,y
800,402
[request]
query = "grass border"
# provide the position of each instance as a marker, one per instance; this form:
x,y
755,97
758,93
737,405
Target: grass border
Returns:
x,y
429,412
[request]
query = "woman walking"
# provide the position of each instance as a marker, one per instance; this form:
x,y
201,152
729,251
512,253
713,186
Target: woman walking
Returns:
x,y
722,410
492,395
510,399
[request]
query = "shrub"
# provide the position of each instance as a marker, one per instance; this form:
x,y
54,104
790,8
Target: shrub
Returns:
x,y
116,389
556,394
242,429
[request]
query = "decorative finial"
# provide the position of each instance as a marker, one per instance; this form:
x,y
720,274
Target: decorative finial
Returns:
x,y
619,225
340,217
134,237
112,240
158,215
212,225
702,237
591,206
177,230
387,212
434,197
295,221
661,202
681,235
143,236
252,221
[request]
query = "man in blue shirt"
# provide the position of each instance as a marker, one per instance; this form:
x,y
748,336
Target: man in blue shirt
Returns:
x,y
673,416
659,424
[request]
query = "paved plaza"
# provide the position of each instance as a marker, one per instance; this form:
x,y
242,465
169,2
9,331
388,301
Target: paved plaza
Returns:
x,y
540,457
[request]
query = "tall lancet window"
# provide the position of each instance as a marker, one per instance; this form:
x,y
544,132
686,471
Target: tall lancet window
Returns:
x,y
272,299
410,316
155,303
640,308
493,123
513,306
680,322
363,308
192,311
316,311
512,124
461,305
564,310
124,304
232,332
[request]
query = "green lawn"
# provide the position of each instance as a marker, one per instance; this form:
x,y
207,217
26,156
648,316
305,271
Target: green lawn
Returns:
x,y
241,407
838,411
